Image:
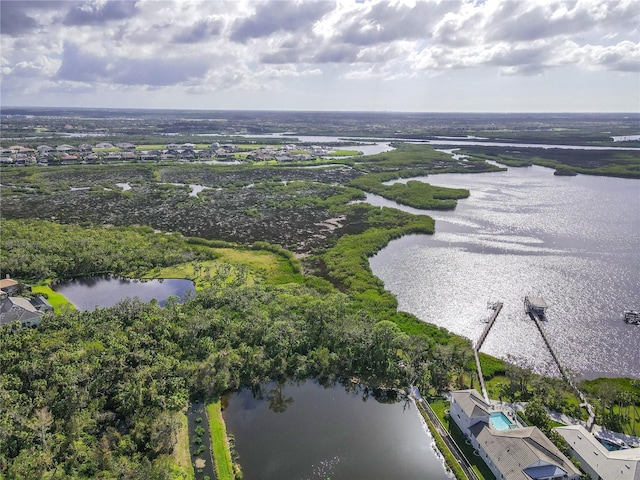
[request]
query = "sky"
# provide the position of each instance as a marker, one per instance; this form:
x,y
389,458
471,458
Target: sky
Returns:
x,y
413,56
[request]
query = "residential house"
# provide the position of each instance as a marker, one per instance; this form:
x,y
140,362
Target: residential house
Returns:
x,y
510,451
21,310
598,461
10,286
65,148
126,146
104,145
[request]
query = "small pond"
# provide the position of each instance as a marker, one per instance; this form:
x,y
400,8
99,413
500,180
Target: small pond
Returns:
x,y
308,431
101,291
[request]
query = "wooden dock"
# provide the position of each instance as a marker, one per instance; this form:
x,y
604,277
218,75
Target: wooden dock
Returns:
x,y
496,311
563,372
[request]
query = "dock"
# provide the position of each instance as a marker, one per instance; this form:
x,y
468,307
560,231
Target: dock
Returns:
x,y
496,307
535,315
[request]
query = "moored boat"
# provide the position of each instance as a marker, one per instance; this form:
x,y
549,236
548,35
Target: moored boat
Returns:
x,y
632,316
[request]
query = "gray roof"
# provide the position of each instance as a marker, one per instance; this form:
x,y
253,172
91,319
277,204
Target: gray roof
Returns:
x,y
514,451
17,309
471,403
619,464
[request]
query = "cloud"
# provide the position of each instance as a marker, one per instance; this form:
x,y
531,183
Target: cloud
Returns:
x,y
78,66
19,17
94,13
199,31
386,22
208,46
276,15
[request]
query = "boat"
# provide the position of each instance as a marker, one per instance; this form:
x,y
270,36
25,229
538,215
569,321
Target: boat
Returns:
x,y
632,316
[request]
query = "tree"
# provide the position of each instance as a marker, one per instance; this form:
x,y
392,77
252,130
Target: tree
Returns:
x,y
537,415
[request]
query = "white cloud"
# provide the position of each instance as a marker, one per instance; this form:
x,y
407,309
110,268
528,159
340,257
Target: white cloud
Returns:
x,y
204,47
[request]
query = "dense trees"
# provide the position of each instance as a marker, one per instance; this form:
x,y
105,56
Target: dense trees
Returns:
x,y
37,250
94,394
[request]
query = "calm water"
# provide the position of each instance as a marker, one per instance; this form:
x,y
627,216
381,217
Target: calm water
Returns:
x,y
573,240
322,433
102,291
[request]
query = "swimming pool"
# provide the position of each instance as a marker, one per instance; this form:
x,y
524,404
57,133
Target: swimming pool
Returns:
x,y
500,421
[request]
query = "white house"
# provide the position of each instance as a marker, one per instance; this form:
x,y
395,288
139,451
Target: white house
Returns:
x,y
596,460
511,452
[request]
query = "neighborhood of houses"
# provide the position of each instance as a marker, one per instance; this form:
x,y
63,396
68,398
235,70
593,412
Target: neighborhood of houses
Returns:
x,y
105,152
514,451
26,311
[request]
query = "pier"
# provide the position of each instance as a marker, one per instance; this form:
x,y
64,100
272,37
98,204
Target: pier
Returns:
x,y
496,307
537,316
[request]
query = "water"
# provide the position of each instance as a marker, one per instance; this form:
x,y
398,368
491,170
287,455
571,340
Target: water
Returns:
x,y
500,421
89,293
324,433
575,241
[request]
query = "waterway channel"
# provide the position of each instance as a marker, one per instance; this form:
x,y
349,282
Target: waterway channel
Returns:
x,y
307,431
573,240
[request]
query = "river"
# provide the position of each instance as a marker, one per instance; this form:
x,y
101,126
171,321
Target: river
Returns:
x,y
573,240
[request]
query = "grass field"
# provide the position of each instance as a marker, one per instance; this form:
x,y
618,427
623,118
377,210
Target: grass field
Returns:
x,y
57,301
273,268
181,452
219,442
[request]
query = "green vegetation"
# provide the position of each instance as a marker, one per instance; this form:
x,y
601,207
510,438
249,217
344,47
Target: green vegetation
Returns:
x,y
450,460
36,250
413,193
57,301
220,443
105,389
566,162
181,452
441,408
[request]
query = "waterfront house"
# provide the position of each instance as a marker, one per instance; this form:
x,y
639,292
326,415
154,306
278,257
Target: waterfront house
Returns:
x,y
510,451
598,461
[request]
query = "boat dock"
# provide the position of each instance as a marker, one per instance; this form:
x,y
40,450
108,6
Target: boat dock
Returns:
x,y
536,311
496,307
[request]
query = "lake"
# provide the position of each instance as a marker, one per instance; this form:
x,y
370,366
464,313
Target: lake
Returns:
x,y
89,293
573,240
307,431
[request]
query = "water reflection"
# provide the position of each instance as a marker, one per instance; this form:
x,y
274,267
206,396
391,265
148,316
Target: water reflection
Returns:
x,y
89,293
317,432
575,241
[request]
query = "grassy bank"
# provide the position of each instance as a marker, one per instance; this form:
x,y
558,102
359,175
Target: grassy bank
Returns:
x,y
220,442
450,460
57,301
181,453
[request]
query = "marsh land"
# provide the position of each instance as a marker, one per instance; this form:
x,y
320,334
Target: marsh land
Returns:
x,y
276,237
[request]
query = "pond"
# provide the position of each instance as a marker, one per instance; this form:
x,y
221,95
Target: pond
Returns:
x,y
308,431
89,293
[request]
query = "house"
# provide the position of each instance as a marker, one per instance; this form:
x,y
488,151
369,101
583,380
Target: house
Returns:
x,y
510,451
104,145
44,149
126,146
65,148
10,286
596,460
19,309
